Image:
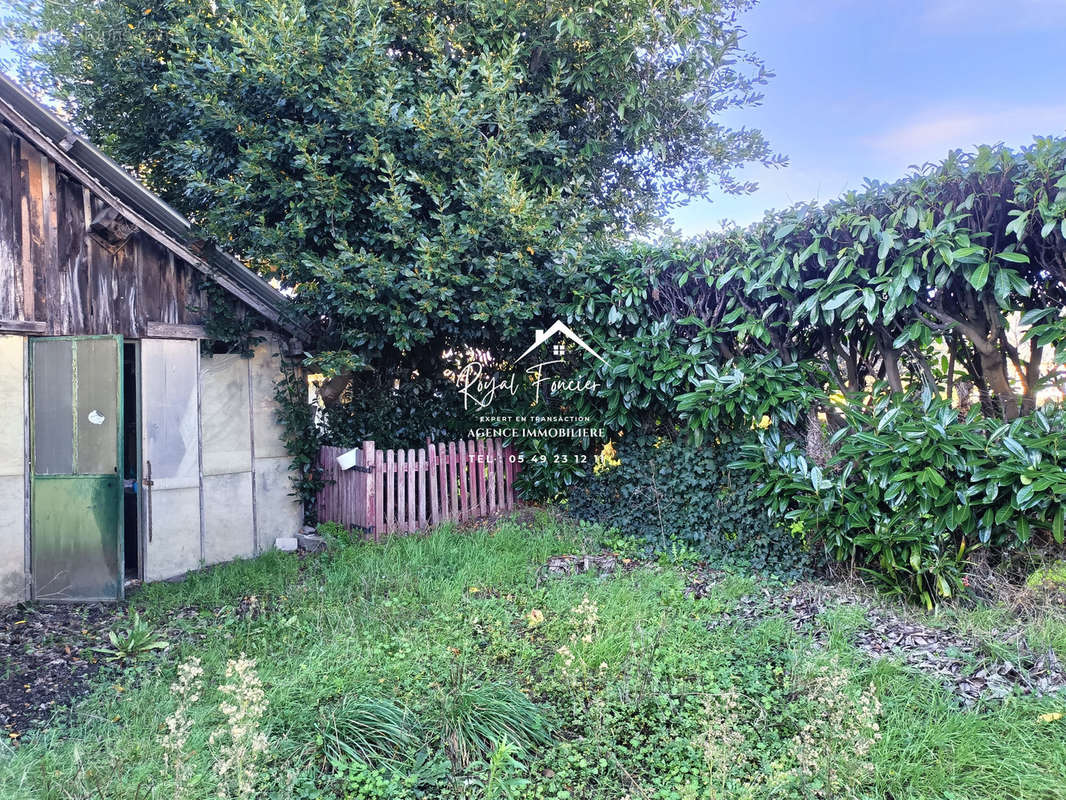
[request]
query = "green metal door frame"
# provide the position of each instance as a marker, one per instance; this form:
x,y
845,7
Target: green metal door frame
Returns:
x,y
80,483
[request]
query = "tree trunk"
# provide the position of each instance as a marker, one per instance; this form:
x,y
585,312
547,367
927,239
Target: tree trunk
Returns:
x,y
891,359
994,369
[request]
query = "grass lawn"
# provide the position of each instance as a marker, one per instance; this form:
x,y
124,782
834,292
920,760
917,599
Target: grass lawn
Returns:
x,y
456,665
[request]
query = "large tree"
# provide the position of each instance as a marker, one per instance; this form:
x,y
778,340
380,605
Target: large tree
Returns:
x,y
413,169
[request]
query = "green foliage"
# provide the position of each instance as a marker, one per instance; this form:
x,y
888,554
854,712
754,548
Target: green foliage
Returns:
x,y
303,439
504,771
369,731
228,324
398,413
947,278
549,468
913,486
415,170
138,640
474,720
1051,576
669,492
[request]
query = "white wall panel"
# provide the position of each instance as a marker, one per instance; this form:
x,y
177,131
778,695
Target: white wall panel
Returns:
x,y
12,469
266,369
277,513
228,517
170,441
224,419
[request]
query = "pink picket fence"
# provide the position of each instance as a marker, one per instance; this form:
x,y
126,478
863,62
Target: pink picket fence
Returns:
x,y
402,491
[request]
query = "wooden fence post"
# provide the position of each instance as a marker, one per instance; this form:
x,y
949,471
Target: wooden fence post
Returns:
x,y
500,467
401,491
479,465
390,489
369,493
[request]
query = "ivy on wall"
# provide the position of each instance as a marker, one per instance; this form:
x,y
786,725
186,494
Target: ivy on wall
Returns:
x,y
296,414
228,324
666,492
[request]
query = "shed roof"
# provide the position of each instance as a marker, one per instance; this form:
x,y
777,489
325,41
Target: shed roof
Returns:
x,y
114,184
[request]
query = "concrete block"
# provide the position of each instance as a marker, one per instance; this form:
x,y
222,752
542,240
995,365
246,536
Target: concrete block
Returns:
x,y
311,542
12,405
287,544
265,372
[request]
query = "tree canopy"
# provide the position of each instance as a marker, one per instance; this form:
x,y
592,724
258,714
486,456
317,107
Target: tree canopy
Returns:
x,y
414,170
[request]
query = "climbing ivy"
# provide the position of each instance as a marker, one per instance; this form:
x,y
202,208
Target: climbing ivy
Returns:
x,y
667,492
228,325
296,414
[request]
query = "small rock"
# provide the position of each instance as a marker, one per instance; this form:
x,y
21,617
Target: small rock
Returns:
x,y
287,544
311,542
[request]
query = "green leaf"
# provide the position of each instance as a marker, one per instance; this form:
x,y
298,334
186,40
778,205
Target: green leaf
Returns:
x,y
1014,258
979,277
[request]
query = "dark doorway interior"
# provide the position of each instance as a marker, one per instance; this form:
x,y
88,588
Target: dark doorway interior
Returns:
x,y
130,461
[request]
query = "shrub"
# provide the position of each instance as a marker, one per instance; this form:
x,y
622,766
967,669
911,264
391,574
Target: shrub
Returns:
x,y
395,410
668,492
913,486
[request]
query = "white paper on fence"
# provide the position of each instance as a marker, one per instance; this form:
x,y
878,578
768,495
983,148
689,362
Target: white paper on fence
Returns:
x,y
347,460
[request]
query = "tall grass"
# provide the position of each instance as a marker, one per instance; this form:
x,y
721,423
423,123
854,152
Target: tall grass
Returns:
x,y
421,651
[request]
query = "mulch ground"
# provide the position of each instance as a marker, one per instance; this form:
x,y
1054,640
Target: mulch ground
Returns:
x,y
961,664
47,660
964,665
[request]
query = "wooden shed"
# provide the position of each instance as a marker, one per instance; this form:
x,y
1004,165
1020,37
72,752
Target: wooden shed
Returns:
x,y
125,452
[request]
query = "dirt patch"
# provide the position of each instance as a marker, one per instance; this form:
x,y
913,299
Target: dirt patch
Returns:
x,y
47,659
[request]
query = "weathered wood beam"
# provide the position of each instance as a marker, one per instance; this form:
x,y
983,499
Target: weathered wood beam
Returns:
x,y
22,326
164,330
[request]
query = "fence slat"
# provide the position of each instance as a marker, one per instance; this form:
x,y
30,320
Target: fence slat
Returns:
x,y
475,489
369,484
509,476
423,467
497,474
480,466
379,495
432,463
390,491
491,465
453,480
464,484
401,491
412,523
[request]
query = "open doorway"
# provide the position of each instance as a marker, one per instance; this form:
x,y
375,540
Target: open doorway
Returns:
x,y
131,459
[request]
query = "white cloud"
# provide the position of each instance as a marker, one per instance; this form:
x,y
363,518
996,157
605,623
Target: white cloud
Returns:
x,y
929,136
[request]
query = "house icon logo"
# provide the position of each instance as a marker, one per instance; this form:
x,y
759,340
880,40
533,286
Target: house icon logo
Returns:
x,y
542,337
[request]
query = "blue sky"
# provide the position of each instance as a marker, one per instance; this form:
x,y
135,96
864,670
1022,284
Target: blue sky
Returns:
x,y
865,88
